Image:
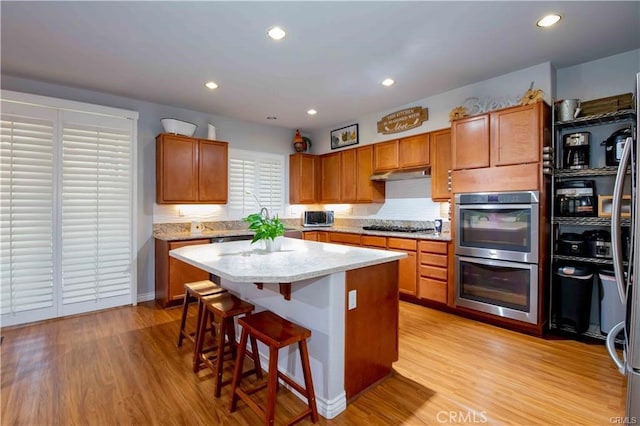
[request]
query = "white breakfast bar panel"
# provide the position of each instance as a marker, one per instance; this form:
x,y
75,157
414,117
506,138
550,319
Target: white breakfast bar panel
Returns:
x,y
316,272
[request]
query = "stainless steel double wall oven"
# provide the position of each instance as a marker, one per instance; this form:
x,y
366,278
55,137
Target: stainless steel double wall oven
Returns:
x,y
496,247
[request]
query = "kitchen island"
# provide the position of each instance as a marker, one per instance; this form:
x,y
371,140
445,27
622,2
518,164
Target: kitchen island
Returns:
x,y
347,297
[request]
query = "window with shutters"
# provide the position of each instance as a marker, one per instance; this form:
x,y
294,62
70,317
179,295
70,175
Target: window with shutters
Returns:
x,y
255,176
67,209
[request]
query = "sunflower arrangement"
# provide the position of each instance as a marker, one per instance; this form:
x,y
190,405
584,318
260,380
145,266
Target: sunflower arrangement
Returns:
x,y
457,113
532,96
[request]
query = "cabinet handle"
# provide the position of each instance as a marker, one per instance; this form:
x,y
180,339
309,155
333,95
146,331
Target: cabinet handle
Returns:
x,y
449,180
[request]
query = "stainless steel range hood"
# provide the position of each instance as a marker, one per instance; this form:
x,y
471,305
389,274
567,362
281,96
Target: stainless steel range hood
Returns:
x,y
402,174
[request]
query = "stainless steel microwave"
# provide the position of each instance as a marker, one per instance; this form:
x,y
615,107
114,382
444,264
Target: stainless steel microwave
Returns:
x,y
318,218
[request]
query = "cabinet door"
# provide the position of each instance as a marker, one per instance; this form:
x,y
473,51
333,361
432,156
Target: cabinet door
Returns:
x,y
413,151
330,170
470,142
310,235
348,176
407,274
385,156
176,169
323,236
367,191
212,173
515,135
440,147
303,178
181,273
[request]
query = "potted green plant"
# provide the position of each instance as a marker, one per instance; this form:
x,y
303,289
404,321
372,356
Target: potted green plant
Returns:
x,y
266,228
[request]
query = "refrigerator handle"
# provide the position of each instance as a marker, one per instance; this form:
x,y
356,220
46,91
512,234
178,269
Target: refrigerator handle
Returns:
x,y
611,348
616,239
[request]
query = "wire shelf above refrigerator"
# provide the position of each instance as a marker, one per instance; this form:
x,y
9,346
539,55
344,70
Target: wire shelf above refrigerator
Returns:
x,y
592,120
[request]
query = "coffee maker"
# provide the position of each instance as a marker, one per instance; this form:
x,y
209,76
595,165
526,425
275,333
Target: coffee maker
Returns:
x,y
576,151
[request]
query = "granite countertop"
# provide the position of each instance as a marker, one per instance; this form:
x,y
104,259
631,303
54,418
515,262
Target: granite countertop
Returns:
x,y
298,260
186,235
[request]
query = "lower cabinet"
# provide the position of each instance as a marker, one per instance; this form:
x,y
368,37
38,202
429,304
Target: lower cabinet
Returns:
x,y
172,274
423,274
407,266
433,258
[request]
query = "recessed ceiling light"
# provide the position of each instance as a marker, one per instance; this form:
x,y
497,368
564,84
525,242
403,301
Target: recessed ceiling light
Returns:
x,y
312,112
276,33
211,85
548,20
271,117
387,82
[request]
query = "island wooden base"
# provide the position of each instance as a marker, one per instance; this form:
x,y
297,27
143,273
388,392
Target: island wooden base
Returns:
x,y
371,329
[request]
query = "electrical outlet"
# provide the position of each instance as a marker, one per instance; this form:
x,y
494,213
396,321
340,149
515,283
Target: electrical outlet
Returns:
x,y
197,227
353,299
295,211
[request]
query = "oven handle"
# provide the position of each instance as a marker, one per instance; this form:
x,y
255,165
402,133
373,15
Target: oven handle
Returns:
x,y
497,263
495,206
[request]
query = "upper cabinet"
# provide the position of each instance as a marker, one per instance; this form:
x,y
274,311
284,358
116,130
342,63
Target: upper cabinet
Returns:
x,y
440,147
406,153
367,191
471,146
190,170
304,176
330,173
500,150
337,177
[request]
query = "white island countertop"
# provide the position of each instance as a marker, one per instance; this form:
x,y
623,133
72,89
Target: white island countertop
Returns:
x,y
297,260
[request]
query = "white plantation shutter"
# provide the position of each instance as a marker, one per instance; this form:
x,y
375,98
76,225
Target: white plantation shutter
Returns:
x,y
241,184
96,210
67,207
271,184
255,174
26,211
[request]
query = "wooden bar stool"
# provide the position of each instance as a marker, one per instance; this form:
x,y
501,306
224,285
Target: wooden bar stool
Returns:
x,y
275,332
224,307
194,292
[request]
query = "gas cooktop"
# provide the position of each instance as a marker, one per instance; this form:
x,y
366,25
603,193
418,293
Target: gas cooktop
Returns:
x,y
386,228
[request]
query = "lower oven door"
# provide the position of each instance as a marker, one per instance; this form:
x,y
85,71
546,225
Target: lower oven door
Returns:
x,y
505,289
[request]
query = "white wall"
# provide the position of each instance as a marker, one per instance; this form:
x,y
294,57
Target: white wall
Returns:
x,y
613,75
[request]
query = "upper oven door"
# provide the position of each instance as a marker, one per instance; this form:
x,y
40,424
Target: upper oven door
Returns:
x,y
498,231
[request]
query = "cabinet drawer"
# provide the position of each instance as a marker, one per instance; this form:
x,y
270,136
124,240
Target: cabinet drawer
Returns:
x,y
401,243
339,237
429,271
373,241
310,235
433,247
433,290
433,259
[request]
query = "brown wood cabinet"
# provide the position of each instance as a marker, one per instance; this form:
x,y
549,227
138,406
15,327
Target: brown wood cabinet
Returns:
x,y
407,267
440,147
172,274
304,177
433,269
413,151
470,137
501,150
344,238
406,153
190,170
357,164
330,168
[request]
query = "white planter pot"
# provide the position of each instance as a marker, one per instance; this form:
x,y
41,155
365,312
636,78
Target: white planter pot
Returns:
x,y
273,245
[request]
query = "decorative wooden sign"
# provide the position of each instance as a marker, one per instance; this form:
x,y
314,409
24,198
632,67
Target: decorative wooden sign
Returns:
x,y
402,120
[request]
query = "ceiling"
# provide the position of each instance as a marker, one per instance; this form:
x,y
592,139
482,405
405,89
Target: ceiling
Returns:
x,y
333,59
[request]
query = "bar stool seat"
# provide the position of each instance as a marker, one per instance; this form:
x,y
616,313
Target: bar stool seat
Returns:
x,y
194,292
275,332
223,307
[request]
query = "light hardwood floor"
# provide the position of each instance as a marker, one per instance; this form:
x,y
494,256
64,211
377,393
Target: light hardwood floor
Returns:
x,y
122,366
